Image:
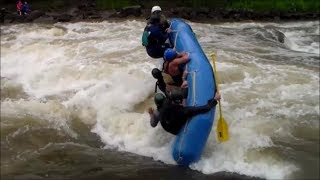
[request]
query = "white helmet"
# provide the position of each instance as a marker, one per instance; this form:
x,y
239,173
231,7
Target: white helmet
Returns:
x,y
155,8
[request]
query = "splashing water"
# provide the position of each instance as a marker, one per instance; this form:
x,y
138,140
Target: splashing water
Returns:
x,y
70,81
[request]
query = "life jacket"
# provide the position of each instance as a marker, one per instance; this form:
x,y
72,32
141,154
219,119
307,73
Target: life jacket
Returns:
x,y
146,39
177,79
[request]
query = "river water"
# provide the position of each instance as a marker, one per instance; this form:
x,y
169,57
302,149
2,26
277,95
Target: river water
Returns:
x,y
74,99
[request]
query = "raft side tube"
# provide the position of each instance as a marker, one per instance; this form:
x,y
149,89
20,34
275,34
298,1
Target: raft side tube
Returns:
x,y
191,140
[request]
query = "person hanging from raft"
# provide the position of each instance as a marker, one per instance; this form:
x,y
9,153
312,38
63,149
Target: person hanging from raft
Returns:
x,y
172,115
171,111
155,35
174,66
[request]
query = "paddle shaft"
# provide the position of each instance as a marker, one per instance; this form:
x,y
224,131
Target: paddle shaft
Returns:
x,y
222,126
213,57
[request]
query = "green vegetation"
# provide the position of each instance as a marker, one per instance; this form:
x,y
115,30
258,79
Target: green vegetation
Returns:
x,y
243,5
275,5
111,4
312,6
202,3
114,4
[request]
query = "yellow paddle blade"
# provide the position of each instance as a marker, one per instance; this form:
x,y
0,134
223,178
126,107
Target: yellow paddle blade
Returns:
x,y
222,130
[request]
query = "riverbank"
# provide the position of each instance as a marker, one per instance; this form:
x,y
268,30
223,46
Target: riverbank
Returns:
x,y
95,11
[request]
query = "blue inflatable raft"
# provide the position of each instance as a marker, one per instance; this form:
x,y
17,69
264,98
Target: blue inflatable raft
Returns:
x,y
191,140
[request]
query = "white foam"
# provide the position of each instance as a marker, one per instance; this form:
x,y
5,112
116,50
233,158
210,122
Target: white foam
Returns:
x,y
131,132
299,42
50,113
100,72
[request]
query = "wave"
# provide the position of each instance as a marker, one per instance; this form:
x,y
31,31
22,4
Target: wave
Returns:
x,y
97,75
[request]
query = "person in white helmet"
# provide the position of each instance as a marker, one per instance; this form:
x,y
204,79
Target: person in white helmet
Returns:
x,y
157,12
155,35
155,8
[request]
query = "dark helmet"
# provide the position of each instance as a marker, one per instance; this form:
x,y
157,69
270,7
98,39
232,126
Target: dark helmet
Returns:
x,y
156,73
169,54
159,98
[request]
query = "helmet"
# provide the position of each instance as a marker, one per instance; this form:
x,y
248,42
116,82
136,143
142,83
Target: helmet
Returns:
x,y
169,55
156,73
155,8
159,98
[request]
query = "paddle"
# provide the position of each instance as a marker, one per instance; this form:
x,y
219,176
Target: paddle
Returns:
x,y
222,126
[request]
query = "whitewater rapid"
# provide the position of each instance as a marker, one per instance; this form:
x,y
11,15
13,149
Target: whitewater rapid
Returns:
x,y
99,73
